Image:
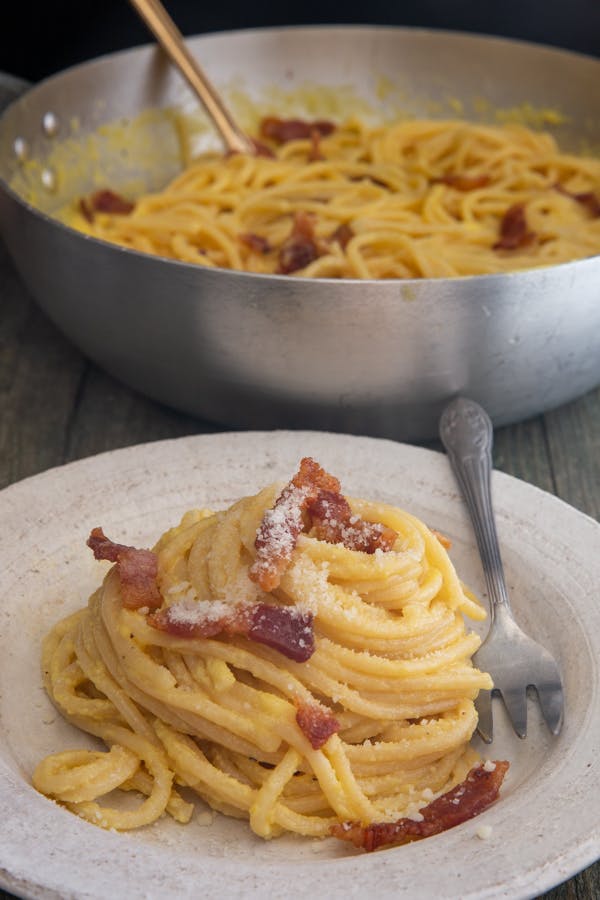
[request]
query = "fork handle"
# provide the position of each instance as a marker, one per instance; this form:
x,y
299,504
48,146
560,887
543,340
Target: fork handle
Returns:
x,y
467,434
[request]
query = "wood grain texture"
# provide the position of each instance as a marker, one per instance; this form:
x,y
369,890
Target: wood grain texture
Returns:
x,y
574,449
55,406
107,416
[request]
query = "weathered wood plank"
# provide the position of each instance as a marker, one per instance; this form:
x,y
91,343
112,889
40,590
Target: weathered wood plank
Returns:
x,y
574,443
522,451
584,886
55,406
40,373
109,415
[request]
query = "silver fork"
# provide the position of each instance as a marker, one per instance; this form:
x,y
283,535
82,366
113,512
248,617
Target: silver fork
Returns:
x,y
514,660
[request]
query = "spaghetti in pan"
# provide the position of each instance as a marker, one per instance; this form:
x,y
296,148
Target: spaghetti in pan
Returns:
x,y
414,199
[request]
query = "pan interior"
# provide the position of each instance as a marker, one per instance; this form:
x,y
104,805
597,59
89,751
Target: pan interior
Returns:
x,y
129,122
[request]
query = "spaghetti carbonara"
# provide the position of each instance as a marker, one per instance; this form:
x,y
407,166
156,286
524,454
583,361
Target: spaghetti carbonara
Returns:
x,y
417,199
299,660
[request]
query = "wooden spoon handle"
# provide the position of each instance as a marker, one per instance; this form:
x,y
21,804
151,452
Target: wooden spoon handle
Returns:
x,y
153,13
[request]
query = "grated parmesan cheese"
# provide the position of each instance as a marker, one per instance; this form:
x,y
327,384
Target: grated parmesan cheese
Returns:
x,y
206,818
186,612
415,816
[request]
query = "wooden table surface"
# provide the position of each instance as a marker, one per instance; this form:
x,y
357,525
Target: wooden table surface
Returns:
x,y
56,406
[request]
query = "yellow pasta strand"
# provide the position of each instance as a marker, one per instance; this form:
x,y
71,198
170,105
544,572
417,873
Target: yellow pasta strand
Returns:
x,y
219,715
392,186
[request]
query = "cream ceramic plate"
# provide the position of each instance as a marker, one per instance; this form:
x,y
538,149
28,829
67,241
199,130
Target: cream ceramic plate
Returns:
x,y
544,828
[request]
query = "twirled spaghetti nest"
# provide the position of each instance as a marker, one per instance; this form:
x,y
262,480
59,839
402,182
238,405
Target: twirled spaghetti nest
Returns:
x,y
343,694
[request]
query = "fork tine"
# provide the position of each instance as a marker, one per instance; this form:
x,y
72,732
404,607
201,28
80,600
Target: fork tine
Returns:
x,y
485,725
550,695
515,701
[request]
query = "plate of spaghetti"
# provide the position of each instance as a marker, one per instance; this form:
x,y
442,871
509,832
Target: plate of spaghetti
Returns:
x,y
258,674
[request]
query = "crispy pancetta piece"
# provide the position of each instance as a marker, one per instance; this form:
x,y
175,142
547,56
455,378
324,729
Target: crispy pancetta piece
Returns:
x,y
442,538
313,493
86,210
317,723
108,201
283,130
280,527
343,235
105,201
469,798
315,154
255,242
514,231
196,619
137,570
587,199
262,149
301,247
284,628
333,521
463,183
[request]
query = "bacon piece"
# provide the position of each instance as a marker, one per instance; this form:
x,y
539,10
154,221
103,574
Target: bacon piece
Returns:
x,y
103,547
343,234
316,723
314,491
262,149
314,154
590,201
463,183
86,210
137,570
334,522
444,541
283,130
587,199
107,201
469,798
313,478
300,248
172,622
280,527
196,619
284,628
255,242
514,232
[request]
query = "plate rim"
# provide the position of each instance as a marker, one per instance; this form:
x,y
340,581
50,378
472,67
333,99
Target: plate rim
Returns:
x,y
564,866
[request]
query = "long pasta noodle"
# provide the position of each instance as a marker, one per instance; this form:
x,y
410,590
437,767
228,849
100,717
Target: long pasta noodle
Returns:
x,y
413,199
368,723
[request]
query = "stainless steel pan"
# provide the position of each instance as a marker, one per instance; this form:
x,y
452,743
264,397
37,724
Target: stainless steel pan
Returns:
x,y
270,351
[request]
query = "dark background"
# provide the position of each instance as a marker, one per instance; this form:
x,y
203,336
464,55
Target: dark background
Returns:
x,y
37,39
